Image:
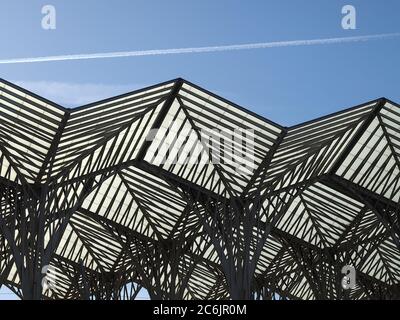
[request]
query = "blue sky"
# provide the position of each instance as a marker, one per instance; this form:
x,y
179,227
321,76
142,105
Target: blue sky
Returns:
x,y
287,85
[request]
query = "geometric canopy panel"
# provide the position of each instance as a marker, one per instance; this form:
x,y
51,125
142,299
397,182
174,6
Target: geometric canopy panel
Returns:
x,y
181,192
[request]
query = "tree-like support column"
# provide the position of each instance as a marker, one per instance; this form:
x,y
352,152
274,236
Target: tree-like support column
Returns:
x,y
238,231
33,219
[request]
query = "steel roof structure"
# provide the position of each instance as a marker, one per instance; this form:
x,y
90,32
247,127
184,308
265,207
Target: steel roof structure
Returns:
x,y
87,193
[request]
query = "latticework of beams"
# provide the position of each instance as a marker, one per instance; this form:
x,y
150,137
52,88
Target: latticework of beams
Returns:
x,y
150,190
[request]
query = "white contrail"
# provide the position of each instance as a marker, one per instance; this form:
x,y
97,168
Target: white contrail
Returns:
x,y
156,52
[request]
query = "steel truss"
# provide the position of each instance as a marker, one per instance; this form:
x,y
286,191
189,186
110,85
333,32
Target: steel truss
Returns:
x,y
85,194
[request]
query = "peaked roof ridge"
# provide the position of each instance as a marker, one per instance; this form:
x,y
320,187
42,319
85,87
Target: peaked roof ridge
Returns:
x,y
330,115
35,95
235,105
123,95
101,101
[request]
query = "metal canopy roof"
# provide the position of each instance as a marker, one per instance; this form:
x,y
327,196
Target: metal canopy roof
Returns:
x,y
85,191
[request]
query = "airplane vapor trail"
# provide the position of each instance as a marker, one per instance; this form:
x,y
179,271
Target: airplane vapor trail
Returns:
x,y
156,52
